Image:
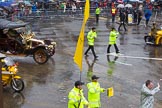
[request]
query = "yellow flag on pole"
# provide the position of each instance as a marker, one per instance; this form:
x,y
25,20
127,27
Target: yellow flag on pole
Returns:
x,y
86,11
78,56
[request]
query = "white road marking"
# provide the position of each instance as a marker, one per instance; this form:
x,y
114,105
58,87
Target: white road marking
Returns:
x,y
118,55
123,63
146,58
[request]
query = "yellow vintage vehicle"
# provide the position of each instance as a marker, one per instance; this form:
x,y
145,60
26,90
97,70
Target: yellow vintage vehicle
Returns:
x,y
9,75
157,40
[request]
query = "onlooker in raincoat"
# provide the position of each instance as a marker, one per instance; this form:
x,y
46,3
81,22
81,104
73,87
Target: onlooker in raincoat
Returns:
x,y
112,40
34,9
76,97
147,94
94,91
148,14
74,8
139,16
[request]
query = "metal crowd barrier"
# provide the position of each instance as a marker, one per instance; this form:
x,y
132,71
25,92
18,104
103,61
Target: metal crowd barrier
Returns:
x,y
57,12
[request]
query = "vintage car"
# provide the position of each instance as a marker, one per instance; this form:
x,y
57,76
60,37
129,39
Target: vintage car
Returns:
x,y
16,38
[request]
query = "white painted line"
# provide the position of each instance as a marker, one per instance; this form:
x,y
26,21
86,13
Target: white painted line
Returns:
x,y
123,63
146,58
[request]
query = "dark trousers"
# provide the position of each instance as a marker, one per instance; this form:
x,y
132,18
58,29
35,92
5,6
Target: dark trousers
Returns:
x,y
97,18
92,49
139,20
113,18
147,22
115,46
123,26
135,18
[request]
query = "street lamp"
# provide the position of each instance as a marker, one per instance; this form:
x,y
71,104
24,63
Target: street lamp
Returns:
x,y
2,56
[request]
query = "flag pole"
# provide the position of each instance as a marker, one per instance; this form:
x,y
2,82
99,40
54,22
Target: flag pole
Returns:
x,y
78,56
80,76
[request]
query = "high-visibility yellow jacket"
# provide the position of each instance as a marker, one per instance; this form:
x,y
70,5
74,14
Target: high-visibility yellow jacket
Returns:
x,y
98,10
91,37
113,11
112,37
94,91
76,99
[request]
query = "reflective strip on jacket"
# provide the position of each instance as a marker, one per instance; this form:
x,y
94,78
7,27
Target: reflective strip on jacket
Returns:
x,y
147,97
113,36
76,98
94,91
97,11
91,37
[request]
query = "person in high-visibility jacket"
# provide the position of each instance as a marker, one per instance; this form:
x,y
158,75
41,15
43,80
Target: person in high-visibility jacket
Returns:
x,y
97,12
113,13
76,97
94,91
112,40
91,39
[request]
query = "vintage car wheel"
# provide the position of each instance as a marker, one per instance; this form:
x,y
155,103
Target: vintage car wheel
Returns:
x,y
40,56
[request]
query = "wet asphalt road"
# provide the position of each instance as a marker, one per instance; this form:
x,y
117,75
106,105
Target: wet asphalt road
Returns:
x,y
47,86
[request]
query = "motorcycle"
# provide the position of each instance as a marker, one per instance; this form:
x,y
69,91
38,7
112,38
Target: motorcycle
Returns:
x,y
149,40
9,75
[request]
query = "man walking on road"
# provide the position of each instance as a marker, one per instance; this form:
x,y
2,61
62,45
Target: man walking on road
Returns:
x,y
76,97
147,94
98,11
91,38
122,21
112,40
139,16
94,91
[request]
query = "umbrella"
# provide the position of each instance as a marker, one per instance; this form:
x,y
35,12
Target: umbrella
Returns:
x,y
120,6
128,5
27,3
14,4
5,3
20,1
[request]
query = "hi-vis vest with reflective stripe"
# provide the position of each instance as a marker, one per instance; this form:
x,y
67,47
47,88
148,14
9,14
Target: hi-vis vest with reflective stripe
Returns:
x,y
112,37
76,98
91,37
98,11
113,11
94,91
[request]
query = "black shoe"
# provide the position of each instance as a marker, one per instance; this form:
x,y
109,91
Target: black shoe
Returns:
x,y
86,55
96,57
